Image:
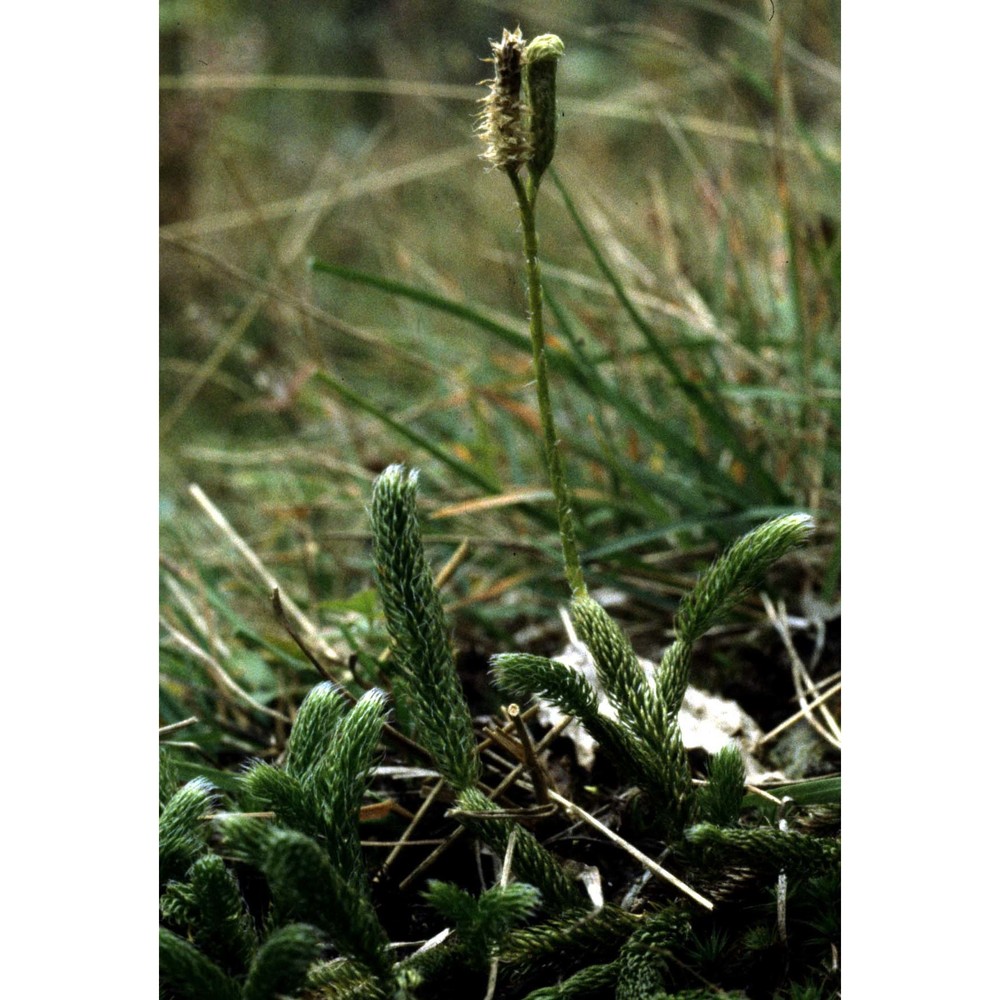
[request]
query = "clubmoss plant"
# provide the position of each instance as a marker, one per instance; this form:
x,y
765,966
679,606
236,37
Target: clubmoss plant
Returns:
x,y
646,949
585,983
317,928
645,740
279,967
309,853
303,882
182,834
209,905
521,136
482,922
720,800
421,649
767,850
210,948
415,620
648,952
312,856
319,790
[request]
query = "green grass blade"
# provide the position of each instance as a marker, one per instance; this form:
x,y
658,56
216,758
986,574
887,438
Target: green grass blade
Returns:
x,y
583,375
810,792
566,364
463,469
732,521
683,493
710,410
510,335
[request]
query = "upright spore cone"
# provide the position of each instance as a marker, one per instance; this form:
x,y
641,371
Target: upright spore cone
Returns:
x,y
502,119
540,57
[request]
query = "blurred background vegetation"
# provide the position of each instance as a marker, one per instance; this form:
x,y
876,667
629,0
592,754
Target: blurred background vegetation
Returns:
x,y
692,271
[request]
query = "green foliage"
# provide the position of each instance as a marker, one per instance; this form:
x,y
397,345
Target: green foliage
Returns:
x,y
710,409
653,747
810,792
573,929
482,922
343,979
692,373
662,759
767,850
305,886
815,902
316,798
646,742
591,981
190,974
719,802
802,991
279,790
182,829
311,736
618,668
709,948
729,578
647,952
525,676
533,862
208,904
310,854
169,779
331,752
219,956
718,589
416,623
280,966
689,236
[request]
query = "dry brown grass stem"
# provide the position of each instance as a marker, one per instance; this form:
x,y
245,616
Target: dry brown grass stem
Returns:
x,y
207,369
761,793
450,568
279,611
800,714
752,789
242,815
492,591
396,844
401,739
194,616
175,726
294,240
640,104
505,877
644,859
219,222
805,688
218,672
305,308
541,781
426,804
322,84
317,643
414,823
511,777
